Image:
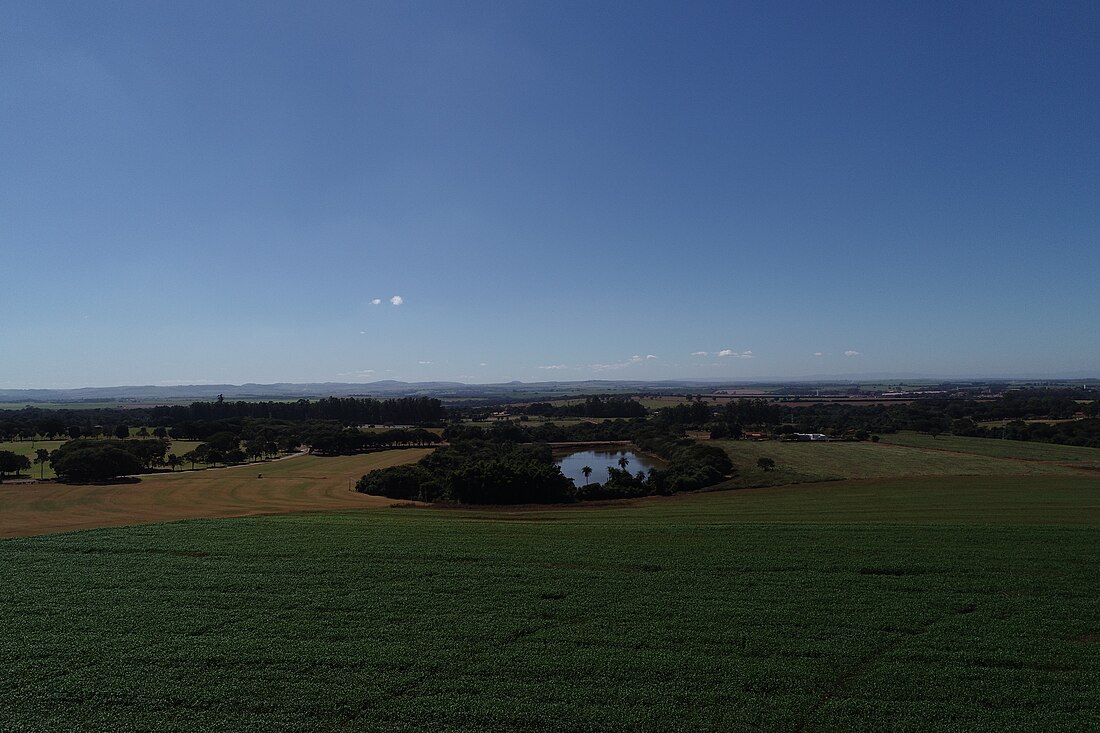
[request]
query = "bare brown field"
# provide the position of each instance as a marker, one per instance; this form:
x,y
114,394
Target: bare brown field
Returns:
x,y
297,484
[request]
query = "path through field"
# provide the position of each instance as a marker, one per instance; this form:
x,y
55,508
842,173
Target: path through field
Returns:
x,y
300,484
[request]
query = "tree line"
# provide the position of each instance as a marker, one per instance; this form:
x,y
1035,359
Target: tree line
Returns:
x,y
932,416
345,410
599,406
35,422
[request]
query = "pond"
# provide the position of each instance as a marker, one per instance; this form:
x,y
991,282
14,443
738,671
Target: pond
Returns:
x,y
598,459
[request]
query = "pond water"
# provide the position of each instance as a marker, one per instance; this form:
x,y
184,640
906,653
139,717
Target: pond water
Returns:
x,y
599,459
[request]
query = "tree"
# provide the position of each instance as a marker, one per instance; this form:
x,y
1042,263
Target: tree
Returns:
x,y
254,449
122,431
224,441
764,463
173,460
42,457
587,471
12,462
94,460
149,452
623,462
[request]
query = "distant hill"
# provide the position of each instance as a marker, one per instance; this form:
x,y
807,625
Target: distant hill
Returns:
x,y
286,390
152,394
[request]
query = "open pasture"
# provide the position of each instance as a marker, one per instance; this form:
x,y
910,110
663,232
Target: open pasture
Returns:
x,y
1013,449
27,448
797,462
298,483
664,615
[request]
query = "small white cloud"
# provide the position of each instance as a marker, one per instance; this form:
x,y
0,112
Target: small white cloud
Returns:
x,y
735,354
851,353
727,352
554,366
423,362
818,353
397,300
376,301
483,364
360,373
699,353
636,359
363,332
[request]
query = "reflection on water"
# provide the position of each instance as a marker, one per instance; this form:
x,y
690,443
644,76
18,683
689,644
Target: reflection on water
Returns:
x,y
599,460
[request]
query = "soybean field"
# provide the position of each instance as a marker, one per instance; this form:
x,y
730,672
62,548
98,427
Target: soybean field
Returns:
x,y
719,612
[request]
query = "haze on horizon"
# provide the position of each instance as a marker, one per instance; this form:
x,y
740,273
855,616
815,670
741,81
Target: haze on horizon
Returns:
x,y
487,191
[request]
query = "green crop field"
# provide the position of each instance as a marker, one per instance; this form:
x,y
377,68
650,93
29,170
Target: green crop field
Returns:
x,y
766,609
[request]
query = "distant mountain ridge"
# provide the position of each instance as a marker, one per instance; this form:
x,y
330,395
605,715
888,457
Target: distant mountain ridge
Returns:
x,y
313,390
457,390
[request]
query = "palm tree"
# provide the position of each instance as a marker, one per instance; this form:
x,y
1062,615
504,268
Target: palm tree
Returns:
x,y
587,471
623,462
42,457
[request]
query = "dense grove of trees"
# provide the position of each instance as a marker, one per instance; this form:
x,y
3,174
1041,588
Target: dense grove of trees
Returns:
x,y
1084,432
962,417
933,416
585,432
345,410
12,462
734,414
84,460
597,406
476,472
33,422
690,465
504,465
331,439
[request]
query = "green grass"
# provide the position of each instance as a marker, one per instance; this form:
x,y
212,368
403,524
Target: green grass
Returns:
x,y
797,462
1018,449
668,615
28,447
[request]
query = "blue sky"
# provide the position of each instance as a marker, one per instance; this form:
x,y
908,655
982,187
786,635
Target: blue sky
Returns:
x,y
218,192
